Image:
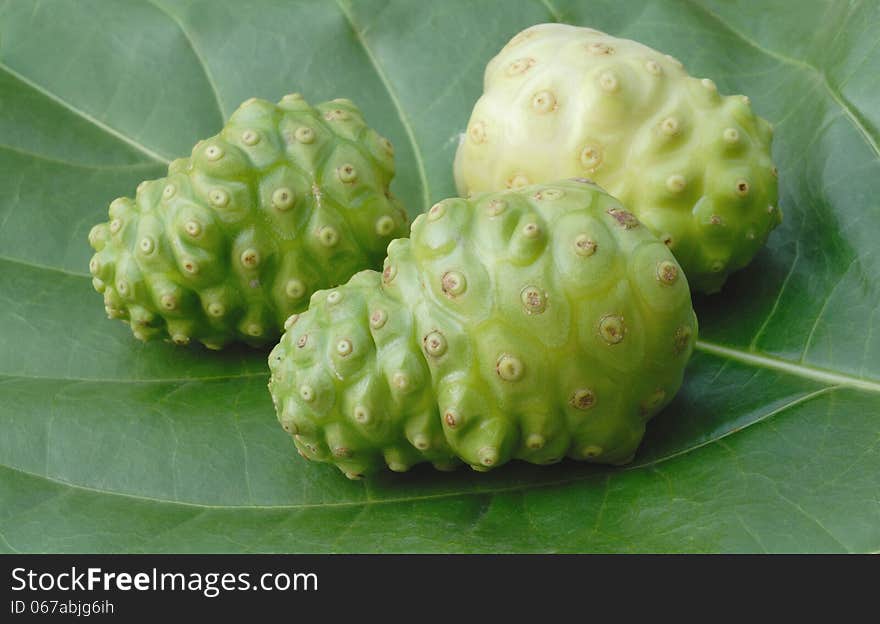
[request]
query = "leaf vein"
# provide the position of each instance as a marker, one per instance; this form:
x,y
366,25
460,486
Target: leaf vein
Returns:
x,y
201,59
404,119
820,73
760,332
91,119
69,163
554,12
821,313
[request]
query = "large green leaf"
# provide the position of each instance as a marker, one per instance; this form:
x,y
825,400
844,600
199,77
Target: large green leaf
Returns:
x,y
109,445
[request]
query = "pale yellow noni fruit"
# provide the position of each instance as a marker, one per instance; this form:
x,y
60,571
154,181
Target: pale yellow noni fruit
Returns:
x,y
561,101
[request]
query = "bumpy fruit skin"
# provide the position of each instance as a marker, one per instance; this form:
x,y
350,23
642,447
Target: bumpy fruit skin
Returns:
x,y
693,165
534,324
285,200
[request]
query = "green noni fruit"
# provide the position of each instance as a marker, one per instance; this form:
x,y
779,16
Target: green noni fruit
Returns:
x,y
285,200
693,165
538,323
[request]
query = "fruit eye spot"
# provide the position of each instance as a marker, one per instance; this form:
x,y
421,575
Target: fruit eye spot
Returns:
x,y
336,115
389,272
548,194
612,329
328,236
384,225
477,132
681,339
347,173
531,230
582,399
534,300
509,367
667,272
218,197
282,198
624,218
544,102
518,181
453,283
378,319
600,49
193,228
304,134
344,347
608,81
307,394
250,258
520,66
591,157
213,152
400,380
434,344
361,414
436,211
670,126
676,183
535,441
147,245
294,289
591,451
496,207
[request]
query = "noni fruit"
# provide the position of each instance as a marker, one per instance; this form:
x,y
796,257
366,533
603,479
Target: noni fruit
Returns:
x,y
287,199
693,165
535,323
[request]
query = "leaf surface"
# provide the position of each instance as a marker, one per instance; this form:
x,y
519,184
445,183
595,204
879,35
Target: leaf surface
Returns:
x,y
109,445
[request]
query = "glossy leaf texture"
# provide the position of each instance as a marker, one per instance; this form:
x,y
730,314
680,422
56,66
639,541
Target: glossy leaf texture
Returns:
x,y
109,445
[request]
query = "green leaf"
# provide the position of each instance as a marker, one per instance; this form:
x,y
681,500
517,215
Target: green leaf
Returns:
x,y
109,445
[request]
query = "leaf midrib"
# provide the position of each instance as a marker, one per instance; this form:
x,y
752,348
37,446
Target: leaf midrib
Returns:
x,y
762,360
758,360
368,501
